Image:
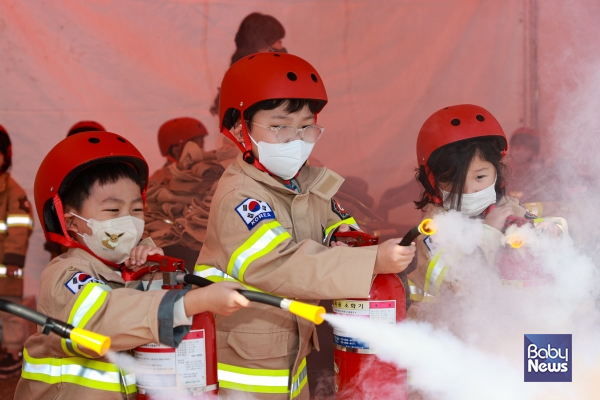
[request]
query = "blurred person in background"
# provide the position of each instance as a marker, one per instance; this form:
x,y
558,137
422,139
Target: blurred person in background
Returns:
x,y
258,33
85,126
16,224
55,249
561,187
173,135
527,169
179,194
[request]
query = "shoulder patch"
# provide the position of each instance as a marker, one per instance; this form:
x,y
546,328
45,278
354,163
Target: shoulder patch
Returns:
x,y
253,211
79,280
338,209
24,204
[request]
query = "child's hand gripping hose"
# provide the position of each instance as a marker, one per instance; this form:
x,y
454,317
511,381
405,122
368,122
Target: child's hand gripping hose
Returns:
x,y
91,340
303,310
360,239
426,227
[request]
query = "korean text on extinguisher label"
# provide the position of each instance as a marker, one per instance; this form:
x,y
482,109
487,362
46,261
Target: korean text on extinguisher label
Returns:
x,y
381,311
163,367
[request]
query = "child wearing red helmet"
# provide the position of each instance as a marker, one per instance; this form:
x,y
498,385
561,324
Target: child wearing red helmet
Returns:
x,y
270,225
460,152
177,205
89,193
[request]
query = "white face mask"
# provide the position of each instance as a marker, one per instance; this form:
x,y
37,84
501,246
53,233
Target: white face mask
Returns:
x,y
114,238
473,204
284,159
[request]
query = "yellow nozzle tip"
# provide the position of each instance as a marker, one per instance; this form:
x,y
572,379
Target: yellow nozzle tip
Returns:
x,y
427,227
515,240
91,340
308,311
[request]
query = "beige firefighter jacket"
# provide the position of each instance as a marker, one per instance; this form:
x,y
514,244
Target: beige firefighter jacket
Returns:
x,y
428,278
16,224
79,289
271,238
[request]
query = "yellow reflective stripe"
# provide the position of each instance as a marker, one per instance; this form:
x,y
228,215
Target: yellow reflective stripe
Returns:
x,y
300,379
3,227
79,371
90,299
211,273
253,379
265,239
417,294
19,220
348,221
216,275
435,275
3,272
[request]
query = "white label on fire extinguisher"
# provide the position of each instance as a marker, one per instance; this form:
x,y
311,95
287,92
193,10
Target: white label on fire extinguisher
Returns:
x,y
381,311
162,367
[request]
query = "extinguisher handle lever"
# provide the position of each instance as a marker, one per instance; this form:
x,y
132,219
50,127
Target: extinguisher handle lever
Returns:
x,y
129,275
357,238
165,264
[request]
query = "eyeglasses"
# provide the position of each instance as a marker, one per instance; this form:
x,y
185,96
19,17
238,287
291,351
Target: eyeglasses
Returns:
x,y
287,133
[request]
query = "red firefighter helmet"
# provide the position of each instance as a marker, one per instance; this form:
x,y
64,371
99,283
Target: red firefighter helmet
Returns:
x,y
5,149
60,166
456,123
178,131
453,124
267,76
85,126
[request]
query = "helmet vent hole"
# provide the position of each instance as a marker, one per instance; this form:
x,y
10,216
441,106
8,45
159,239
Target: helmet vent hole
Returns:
x,y
445,108
480,118
314,78
292,76
276,55
94,140
455,122
120,139
250,58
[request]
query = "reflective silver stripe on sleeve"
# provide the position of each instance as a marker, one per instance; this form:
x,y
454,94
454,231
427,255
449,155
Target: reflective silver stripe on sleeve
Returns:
x,y
435,273
259,245
75,370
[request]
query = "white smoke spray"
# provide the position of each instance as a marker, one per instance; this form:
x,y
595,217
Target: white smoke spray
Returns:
x,y
472,348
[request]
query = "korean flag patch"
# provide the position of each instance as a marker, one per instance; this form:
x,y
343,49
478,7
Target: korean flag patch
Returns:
x,y
79,280
253,211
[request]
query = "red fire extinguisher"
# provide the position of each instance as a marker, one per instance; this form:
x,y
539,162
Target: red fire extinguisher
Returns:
x,y
191,369
518,267
359,374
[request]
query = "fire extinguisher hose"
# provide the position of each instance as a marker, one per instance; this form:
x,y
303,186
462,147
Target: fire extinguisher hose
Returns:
x,y
91,340
426,227
307,311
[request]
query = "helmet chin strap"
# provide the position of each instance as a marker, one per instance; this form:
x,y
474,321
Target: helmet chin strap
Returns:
x,y
66,240
434,199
